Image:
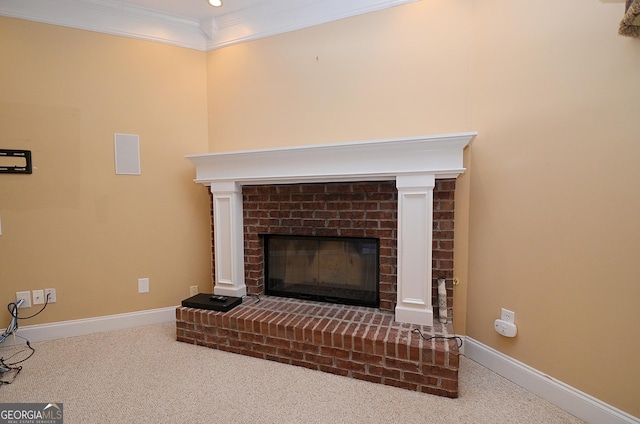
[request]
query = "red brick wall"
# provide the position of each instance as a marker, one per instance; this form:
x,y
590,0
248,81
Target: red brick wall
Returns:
x,y
361,209
442,251
358,209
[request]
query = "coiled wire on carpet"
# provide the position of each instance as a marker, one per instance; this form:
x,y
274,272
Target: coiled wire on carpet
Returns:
x,y
8,364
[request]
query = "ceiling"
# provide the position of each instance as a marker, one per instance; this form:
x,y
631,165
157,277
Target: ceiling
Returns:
x,y
195,9
191,23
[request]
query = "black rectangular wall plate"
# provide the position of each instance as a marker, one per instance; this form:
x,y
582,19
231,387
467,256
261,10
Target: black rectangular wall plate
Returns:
x,y
24,154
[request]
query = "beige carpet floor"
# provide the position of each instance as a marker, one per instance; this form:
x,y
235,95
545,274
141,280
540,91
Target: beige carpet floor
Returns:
x,y
142,375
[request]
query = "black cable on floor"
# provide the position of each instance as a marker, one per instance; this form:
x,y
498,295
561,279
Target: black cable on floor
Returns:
x,y
458,339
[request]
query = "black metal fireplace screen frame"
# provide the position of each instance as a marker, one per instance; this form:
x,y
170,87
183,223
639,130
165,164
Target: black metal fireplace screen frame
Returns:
x,y
365,251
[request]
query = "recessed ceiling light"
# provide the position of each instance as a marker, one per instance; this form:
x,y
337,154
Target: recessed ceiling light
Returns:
x,y
215,3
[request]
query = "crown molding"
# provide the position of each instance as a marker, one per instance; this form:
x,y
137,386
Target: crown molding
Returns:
x,y
281,16
118,18
109,17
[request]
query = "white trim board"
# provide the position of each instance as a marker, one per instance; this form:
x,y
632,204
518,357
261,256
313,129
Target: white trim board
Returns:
x,y
79,327
118,17
570,399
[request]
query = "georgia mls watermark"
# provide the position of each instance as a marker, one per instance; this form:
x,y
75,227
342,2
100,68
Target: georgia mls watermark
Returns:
x,y
31,413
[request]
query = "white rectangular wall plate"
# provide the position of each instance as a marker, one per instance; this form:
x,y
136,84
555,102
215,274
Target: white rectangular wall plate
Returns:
x,y
52,295
143,285
127,153
26,296
508,316
38,297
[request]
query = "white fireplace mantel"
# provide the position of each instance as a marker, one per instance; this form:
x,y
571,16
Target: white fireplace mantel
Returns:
x,y
414,163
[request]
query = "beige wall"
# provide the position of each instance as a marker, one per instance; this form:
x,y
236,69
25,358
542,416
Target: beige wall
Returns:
x,y
380,75
73,224
546,214
554,197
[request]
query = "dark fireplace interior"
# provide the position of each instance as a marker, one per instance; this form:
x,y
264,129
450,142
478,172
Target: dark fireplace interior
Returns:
x,y
329,269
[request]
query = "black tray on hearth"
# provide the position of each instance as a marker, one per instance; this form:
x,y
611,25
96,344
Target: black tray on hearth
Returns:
x,y
204,301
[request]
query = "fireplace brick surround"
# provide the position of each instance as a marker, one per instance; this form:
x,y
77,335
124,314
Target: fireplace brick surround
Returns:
x,y
357,342
386,189
360,209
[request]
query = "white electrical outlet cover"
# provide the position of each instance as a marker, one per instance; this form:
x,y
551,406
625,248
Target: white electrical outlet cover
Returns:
x,y
508,316
52,295
26,295
38,297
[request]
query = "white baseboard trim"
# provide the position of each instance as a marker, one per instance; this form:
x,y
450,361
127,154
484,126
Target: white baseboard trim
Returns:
x,y
79,327
570,399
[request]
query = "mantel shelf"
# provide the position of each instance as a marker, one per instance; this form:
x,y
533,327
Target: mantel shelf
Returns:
x,y
440,155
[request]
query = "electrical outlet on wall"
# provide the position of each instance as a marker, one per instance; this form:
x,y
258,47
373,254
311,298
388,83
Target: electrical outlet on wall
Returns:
x,y
193,290
52,295
508,316
26,297
38,297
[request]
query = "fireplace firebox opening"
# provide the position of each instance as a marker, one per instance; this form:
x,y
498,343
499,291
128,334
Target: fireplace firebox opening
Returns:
x,y
341,270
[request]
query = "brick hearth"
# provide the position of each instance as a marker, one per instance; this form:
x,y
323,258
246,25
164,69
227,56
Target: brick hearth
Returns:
x,y
350,341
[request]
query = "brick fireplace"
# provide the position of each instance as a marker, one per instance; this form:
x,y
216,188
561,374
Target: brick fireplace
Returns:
x,y
348,209
398,191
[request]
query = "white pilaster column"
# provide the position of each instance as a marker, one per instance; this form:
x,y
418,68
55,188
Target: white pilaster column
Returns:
x,y
415,235
228,239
